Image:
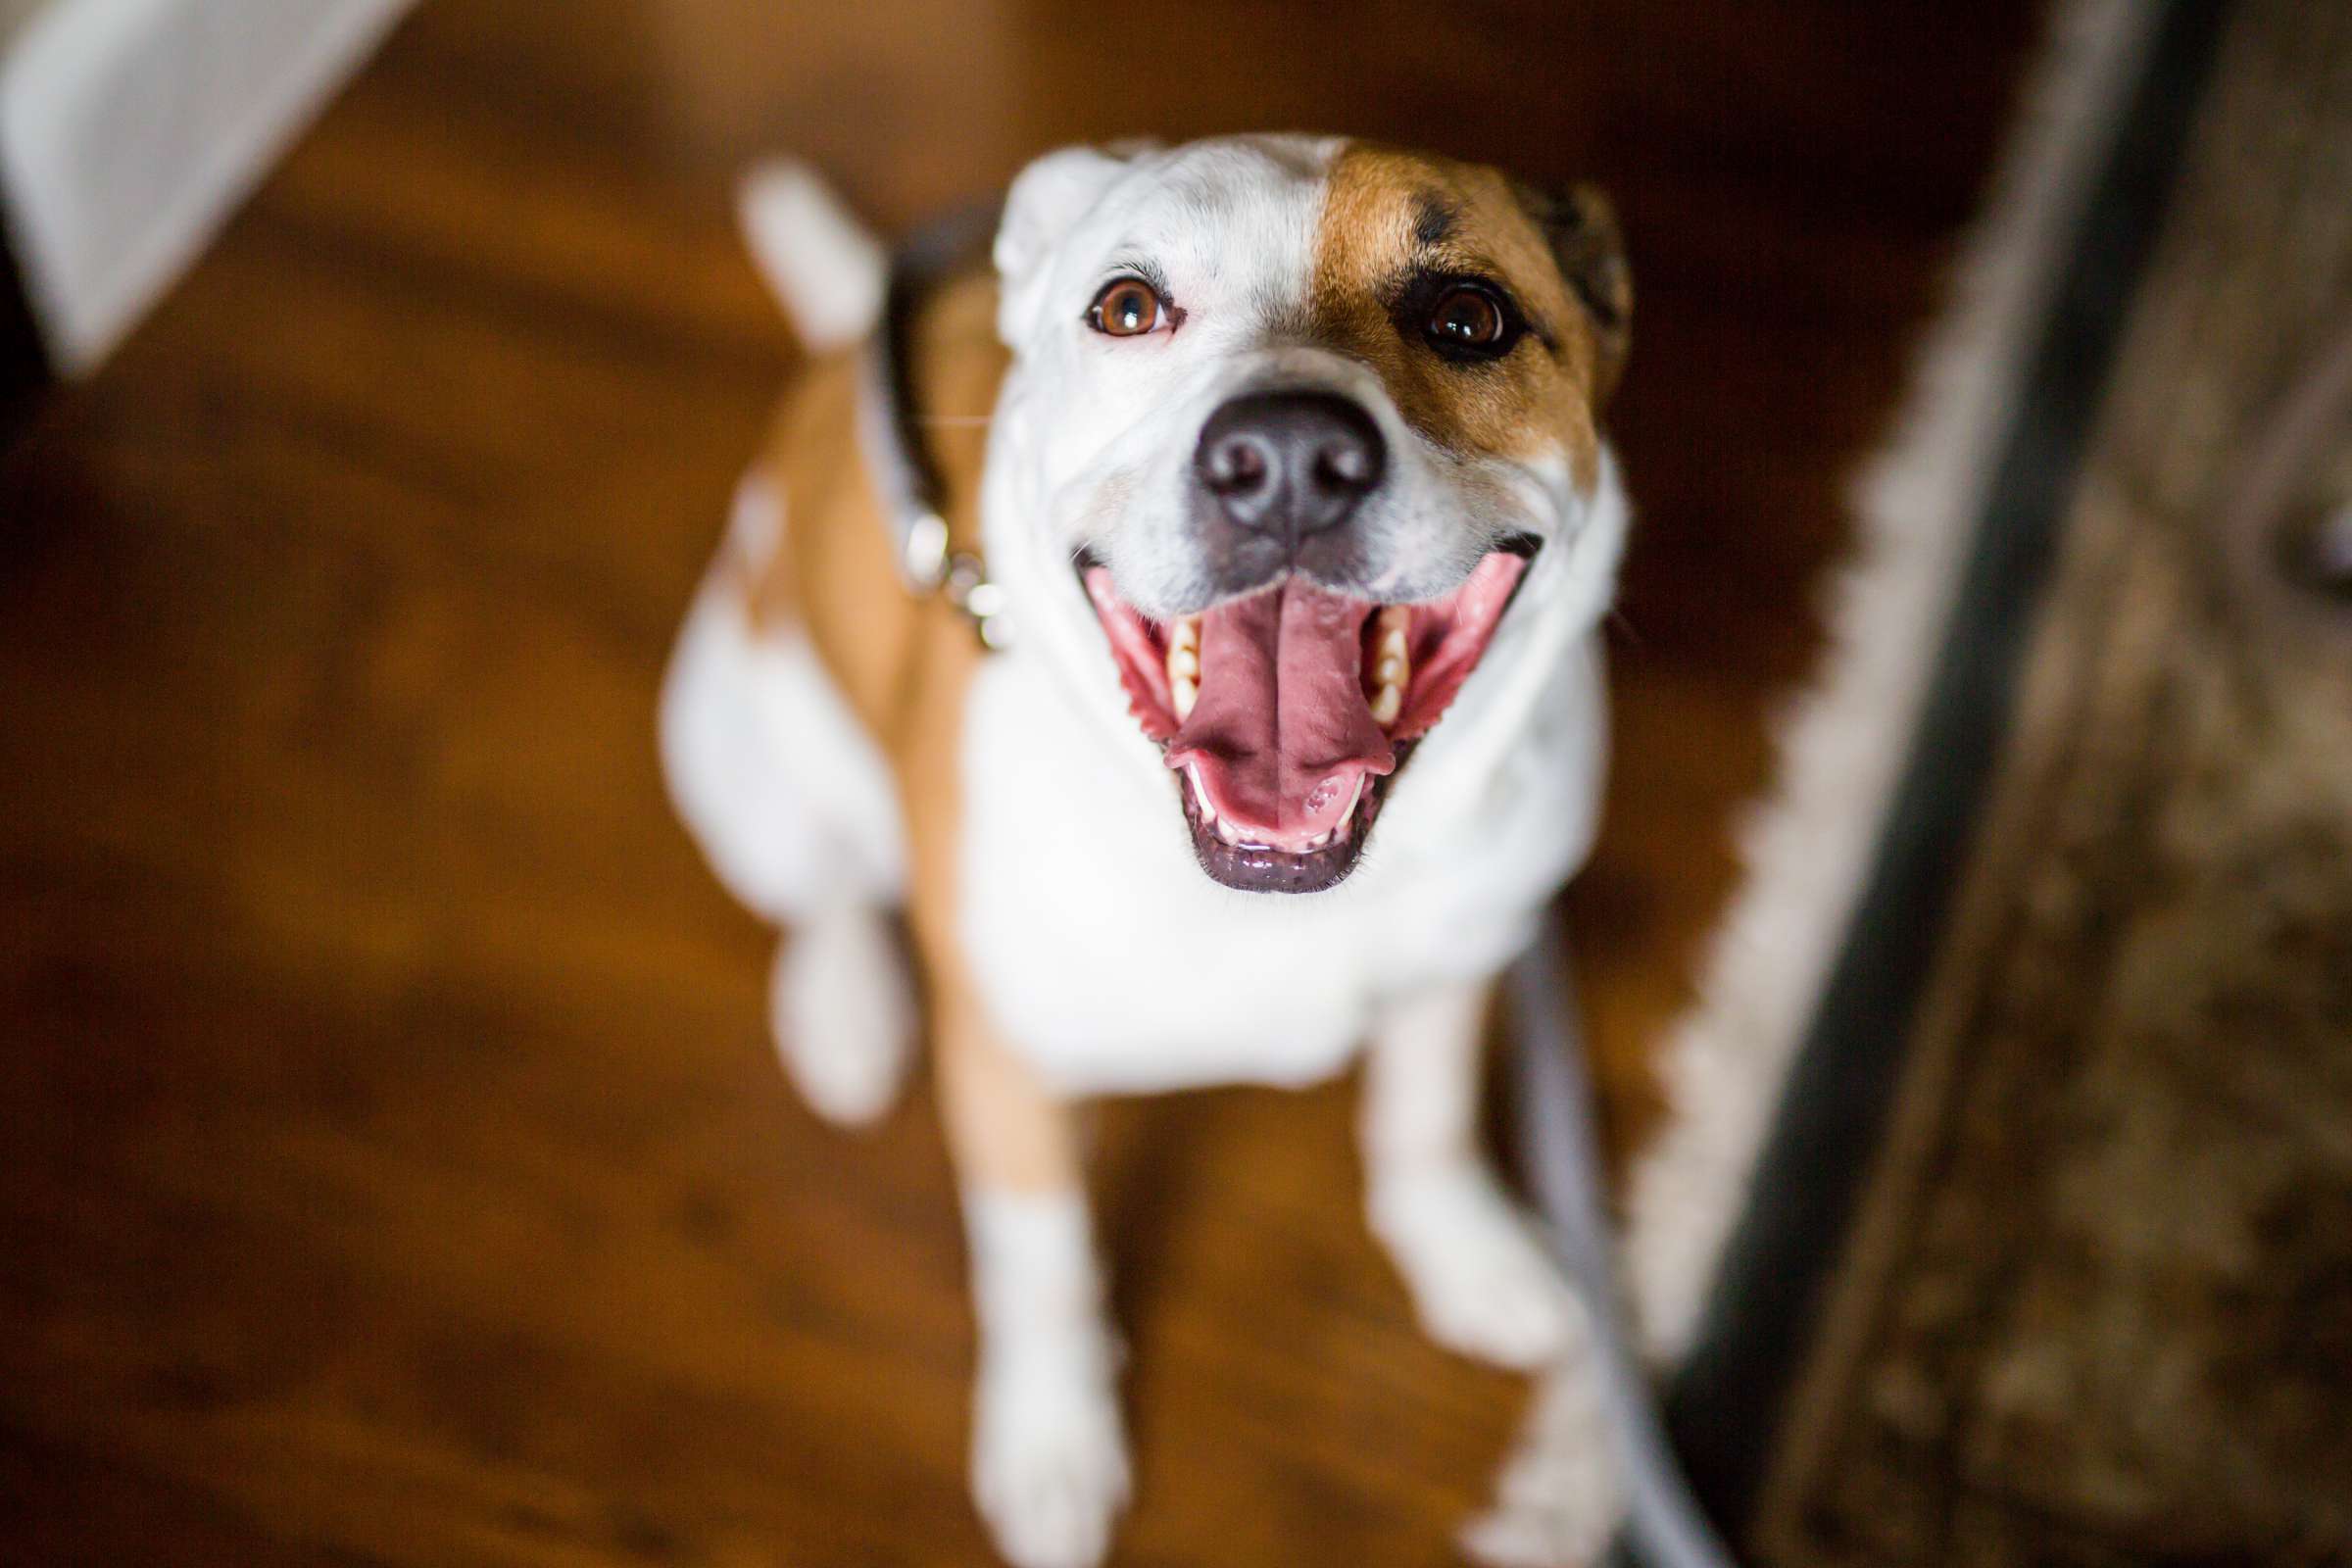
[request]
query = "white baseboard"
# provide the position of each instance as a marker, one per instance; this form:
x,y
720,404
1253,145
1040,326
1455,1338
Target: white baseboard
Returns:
x,y
130,129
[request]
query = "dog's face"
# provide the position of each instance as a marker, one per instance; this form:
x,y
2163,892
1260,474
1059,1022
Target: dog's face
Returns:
x,y
1301,412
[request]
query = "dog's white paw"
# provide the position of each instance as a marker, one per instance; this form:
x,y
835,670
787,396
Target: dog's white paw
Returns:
x,y
1482,1283
841,1007
1049,1460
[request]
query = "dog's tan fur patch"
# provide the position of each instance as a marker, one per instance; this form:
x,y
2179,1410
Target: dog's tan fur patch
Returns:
x,y
904,666
902,663
1391,215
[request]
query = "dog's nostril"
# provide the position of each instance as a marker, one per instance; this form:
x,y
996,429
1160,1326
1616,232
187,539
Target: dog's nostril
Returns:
x,y
1235,464
1346,463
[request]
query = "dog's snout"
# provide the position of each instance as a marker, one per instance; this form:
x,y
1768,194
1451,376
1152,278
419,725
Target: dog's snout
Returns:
x,y
1291,464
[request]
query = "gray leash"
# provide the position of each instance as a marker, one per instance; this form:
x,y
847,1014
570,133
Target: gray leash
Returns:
x,y
1554,1098
1559,1147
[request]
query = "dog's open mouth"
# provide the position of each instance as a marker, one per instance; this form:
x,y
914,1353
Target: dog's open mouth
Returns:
x,y
1286,712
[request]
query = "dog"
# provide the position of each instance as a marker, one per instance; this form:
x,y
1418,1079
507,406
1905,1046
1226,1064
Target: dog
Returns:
x,y
1284,456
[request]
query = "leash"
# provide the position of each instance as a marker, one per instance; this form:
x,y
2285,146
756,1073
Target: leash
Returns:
x,y
1558,1140
1559,1147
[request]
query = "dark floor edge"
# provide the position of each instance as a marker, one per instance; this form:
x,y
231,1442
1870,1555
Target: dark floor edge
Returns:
x,y
1725,1406
23,362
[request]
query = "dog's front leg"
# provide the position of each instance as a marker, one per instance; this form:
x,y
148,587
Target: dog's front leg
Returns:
x,y
1048,1456
1482,1283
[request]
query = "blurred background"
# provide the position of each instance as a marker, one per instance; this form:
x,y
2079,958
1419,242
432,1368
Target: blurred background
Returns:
x,y
394,1168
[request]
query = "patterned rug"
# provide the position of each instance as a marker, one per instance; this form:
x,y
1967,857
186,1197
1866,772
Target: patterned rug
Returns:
x,y
2050,1258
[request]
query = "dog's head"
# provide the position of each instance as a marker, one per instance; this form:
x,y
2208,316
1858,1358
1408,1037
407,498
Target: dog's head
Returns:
x,y
1306,414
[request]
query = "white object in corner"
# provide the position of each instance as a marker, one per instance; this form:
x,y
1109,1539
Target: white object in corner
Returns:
x,y
130,129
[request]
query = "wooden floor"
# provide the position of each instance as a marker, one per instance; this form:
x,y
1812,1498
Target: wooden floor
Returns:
x,y
393,1167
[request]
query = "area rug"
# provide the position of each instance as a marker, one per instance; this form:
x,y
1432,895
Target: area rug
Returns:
x,y
2047,1254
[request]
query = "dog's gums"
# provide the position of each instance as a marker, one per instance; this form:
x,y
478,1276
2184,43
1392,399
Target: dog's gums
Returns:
x,y
1284,713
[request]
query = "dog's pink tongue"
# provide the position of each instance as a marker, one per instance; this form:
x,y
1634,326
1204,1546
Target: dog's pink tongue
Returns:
x,y
1282,732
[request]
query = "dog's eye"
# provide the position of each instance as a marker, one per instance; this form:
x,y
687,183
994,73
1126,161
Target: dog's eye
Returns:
x,y
1468,317
1127,307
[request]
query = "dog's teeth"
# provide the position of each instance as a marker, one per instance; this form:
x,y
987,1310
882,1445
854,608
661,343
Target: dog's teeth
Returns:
x,y
1391,664
1228,832
1184,665
1348,816
1192,776
1184,652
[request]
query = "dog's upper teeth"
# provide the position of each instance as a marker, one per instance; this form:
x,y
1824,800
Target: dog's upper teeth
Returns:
x,y
1391,664
1184,665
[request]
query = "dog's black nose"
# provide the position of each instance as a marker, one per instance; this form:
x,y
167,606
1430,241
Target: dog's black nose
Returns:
x,y
1291,464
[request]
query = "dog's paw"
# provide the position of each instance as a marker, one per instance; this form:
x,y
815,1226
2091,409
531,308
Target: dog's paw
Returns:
x,y
1049,1462
1482,1283
841,1007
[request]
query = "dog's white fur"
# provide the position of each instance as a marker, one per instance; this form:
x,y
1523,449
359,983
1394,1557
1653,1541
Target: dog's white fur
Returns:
x,y
1085,920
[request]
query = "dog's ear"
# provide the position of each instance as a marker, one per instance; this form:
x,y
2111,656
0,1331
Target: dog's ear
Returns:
x,y
1046,200
1581,227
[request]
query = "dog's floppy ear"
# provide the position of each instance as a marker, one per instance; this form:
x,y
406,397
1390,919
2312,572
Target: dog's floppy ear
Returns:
x,y
1046,200
1581,227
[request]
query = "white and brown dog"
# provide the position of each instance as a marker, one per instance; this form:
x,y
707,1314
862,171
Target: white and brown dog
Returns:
x,y
1284,456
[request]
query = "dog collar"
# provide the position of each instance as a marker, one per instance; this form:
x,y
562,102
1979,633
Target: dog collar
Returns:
x,y
890,431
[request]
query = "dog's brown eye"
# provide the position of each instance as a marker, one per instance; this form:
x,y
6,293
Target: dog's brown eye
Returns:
x,y
1466,317
1126,308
